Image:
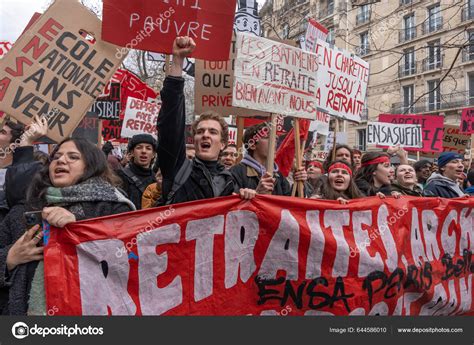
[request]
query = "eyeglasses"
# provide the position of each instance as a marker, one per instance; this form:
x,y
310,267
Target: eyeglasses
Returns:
x,y
71,157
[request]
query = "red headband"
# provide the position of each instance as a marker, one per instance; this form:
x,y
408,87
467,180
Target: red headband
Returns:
x,y
381,159
317,165
340,166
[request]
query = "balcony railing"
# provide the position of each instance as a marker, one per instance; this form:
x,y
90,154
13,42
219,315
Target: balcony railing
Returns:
x,y
433,25
406,70
432,63
407,34
448,101
362,18
467,13
468,53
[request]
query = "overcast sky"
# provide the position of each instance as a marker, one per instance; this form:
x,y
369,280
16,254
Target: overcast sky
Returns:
x,y
15,14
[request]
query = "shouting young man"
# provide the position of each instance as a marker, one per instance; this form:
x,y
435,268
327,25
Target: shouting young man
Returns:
x,y
204,176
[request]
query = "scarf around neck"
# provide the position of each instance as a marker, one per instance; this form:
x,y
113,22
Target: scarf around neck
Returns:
x,y
92,190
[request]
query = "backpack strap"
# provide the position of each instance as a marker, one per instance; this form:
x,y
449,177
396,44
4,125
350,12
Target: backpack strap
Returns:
x,y
135,180
181,177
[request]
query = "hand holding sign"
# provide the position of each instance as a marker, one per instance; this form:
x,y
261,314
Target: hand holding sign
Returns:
x,y
37,129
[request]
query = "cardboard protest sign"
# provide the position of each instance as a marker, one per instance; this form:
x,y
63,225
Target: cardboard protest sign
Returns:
x,y
57,68
432,128
411,256
4,48
140,117
314,31
342,82
213,87
153,25
454,140
388,134
108,108
88,128
274,77
467,121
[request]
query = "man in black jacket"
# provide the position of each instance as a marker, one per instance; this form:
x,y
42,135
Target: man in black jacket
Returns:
x,y
138,174
203,177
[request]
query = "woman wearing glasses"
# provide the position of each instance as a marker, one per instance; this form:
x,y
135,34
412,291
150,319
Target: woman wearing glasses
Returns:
x,y
76,184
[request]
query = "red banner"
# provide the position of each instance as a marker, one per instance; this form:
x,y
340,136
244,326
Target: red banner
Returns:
x,y
411,256
432,127
153,25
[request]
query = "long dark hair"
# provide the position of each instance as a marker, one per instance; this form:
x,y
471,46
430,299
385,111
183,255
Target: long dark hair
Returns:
x,y
366,173
95,166
329,161
329,193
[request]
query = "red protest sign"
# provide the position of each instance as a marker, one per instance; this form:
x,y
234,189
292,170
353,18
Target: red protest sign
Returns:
x,y
409,256
432,129
467,121
153,26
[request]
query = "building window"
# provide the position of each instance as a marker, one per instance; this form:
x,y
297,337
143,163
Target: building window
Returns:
x,y
330,7
331,39
435,21
286,31
409,65
363,15
405,2
362,139
434,55
468,11
471,89
409,30
408,98
468,54
434,95
364,43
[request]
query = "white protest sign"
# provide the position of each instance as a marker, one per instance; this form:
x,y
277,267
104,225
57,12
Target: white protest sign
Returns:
x,y
140,117
341,138
314,31
389,134
274,77
232,135
342,82
321,124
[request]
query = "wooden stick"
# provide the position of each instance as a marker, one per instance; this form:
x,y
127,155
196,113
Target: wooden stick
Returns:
x,y
99,139
417,156
272,145
296,126
240,137
167,65
336,129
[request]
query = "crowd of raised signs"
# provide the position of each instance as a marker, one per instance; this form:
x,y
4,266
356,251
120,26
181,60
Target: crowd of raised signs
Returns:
x,y
79,181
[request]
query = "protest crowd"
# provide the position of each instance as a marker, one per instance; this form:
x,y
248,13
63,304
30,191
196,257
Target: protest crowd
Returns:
x,y
79,180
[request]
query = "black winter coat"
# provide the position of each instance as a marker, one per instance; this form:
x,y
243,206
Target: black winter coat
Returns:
x,y
202,182
134,193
